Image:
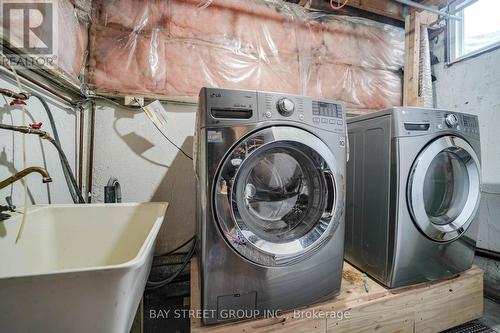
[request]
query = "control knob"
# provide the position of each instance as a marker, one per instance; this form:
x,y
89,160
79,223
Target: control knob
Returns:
x,y
285,107
451,120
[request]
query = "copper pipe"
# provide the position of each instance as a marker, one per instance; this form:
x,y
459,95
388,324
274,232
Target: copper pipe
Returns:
x,y
21,174
64,161
91,152
26,130
45,84
80,150
9,93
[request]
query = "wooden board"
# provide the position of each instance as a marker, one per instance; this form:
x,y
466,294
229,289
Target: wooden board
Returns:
x,y
426,307
386,8
412,61
434,3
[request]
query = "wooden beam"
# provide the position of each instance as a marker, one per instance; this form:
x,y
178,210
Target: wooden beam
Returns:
x,y
434,3
412,42
386,8
428,18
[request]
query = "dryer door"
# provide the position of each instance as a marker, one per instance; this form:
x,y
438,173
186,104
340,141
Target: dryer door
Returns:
x,y
278,195
444,188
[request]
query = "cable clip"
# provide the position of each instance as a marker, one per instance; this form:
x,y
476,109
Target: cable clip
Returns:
x,y
36,125
17,101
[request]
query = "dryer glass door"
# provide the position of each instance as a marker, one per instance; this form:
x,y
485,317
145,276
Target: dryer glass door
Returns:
x,y
276,195
444,188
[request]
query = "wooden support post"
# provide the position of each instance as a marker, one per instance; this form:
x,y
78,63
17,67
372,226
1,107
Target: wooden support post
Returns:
x,y
412,42
428,18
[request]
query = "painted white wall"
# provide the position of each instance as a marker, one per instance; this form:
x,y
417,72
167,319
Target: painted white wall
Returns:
x,y
39,152
129,147
473,86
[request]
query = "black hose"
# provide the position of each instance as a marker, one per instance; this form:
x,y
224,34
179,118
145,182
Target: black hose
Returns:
x,y
488,254
65,163
159,284
176,249
73,189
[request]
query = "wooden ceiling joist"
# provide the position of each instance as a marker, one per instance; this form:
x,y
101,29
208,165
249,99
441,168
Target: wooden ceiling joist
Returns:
x,y
434,3
391,8
386,8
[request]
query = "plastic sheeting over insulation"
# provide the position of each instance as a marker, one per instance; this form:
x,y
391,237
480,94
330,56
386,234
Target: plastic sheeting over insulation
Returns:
x,y
173,48
68,31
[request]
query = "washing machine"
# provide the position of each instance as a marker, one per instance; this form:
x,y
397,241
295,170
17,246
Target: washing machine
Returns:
x,y
412,195
270,208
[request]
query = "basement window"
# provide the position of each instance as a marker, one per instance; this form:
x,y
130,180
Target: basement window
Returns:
x,y
477,32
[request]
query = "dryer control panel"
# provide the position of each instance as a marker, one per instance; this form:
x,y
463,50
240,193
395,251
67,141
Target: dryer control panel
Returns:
x,y
420,121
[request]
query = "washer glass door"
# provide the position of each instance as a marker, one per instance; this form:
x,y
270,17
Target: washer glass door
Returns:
x,y
276,197
444,188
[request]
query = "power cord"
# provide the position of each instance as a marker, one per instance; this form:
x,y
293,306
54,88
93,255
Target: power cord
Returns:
x,y
90,96
163,134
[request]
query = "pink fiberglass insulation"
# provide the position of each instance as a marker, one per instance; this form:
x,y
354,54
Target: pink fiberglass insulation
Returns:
x,y
175,47
70,38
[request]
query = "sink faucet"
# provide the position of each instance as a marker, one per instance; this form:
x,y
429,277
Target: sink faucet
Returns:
x,y
46,177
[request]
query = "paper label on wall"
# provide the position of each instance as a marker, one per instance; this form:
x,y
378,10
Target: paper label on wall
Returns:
x,y
156,113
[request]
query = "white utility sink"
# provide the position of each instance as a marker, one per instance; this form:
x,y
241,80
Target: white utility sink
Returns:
x,y
76,268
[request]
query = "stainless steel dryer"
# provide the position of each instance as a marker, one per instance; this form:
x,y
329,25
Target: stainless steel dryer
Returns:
x,y
271,186
413,191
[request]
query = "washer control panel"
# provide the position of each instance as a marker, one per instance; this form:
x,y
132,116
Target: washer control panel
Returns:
x,y
451,120
285,106
470,124
229,107
320,113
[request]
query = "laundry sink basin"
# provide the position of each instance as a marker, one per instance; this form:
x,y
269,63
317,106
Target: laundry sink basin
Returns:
x,y
76,268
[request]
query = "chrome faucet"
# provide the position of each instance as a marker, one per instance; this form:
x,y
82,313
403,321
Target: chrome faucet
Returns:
x,y
21,174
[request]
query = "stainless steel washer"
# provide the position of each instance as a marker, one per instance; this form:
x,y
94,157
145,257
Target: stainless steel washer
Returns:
x,y
413,193
271,179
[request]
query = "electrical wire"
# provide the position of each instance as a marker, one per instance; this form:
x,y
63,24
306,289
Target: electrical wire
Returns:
x,y
139,107
89,98
163,134
339,6
159,284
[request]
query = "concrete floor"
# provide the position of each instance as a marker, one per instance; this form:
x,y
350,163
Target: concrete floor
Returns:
x,y
491,316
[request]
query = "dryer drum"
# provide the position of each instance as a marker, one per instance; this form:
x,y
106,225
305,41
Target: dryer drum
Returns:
x,y
444,188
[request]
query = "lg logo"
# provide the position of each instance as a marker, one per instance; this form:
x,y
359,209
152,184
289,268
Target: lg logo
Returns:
x,y
29,26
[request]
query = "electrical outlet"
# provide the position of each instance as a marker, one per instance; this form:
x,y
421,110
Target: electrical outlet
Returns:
x,y
134,101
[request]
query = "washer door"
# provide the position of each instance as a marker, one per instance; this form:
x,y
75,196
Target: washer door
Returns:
x,y
444,188
276,195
